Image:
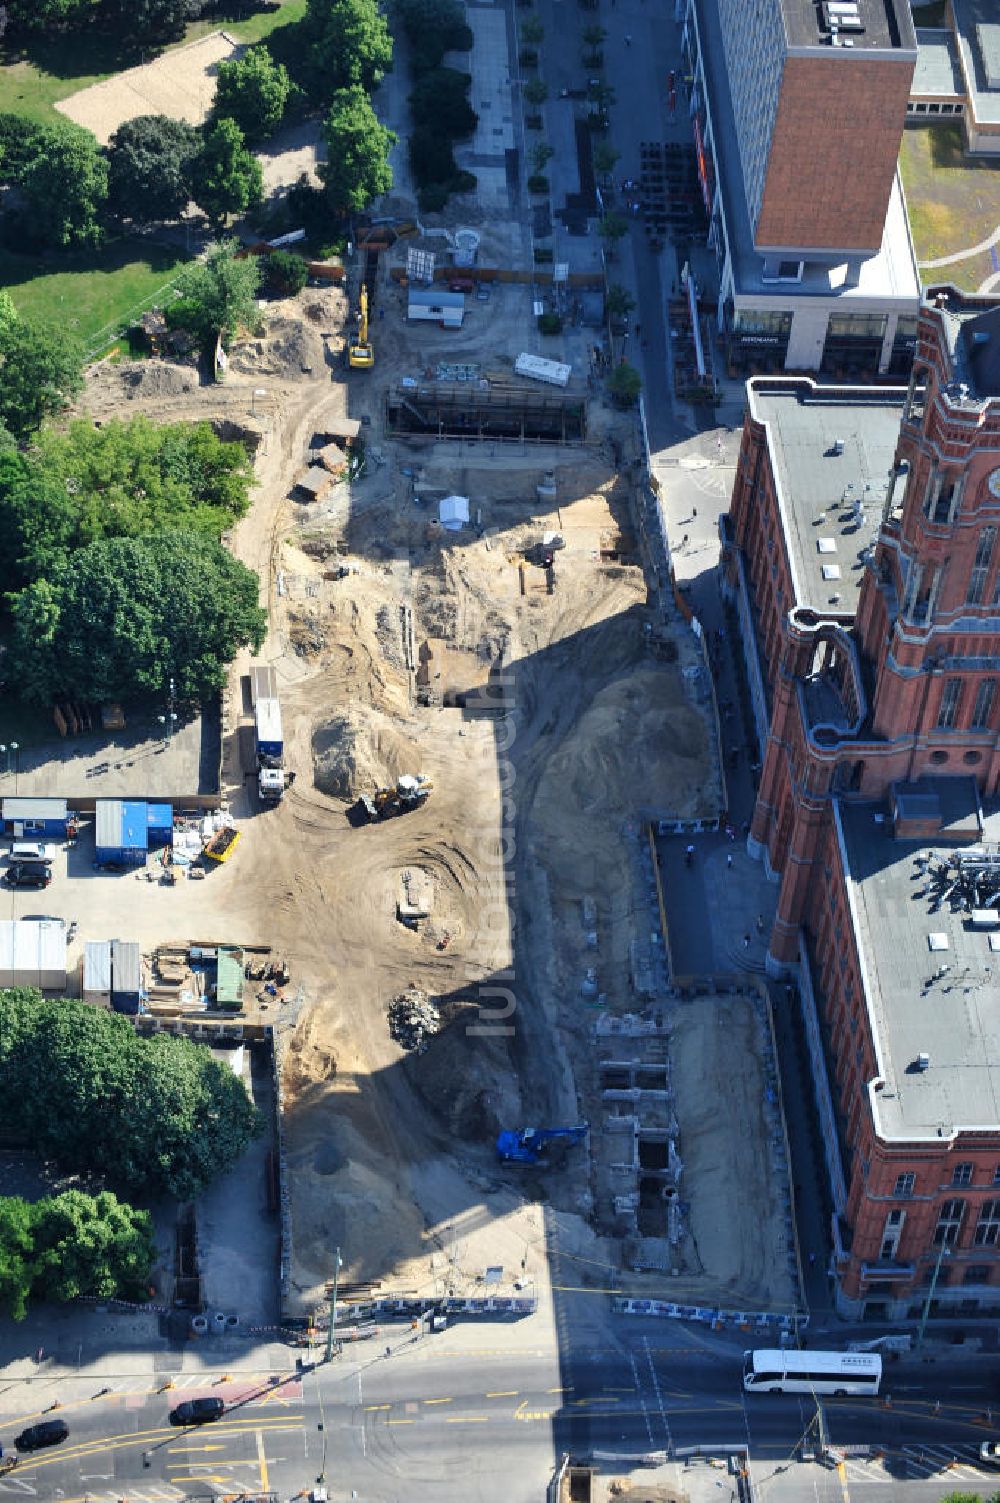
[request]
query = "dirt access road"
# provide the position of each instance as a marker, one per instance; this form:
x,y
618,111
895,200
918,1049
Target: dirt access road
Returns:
x,y
531,824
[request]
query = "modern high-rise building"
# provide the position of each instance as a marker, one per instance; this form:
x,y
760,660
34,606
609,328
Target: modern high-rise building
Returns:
x,y
861,551
798,109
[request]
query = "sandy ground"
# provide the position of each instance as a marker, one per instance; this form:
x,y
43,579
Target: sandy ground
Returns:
x,y
533,809
180,83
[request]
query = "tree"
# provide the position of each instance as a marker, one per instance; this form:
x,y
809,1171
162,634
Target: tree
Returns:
x,y
541,154
158,1115
252,90
20,140
17,1268
121,617
48,16
357,169
40,369
606,159
532,31
65,187
90,1245
286,272
624,384
440,99
145,23
8,313
218,294
125,479
611,229
349,43
225,178
433,27
150,163
535,91
618,301
593,36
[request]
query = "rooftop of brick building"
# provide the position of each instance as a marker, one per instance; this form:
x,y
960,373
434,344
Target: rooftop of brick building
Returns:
x,y
831,502
884,24
932,979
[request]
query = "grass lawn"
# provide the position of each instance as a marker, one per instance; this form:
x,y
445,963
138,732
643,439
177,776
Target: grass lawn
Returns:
x,y
52,69
92,294
953,203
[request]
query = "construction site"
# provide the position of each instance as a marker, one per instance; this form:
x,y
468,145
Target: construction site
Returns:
x,y
466,632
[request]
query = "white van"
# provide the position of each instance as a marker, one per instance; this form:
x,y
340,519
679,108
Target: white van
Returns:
x,y
32,850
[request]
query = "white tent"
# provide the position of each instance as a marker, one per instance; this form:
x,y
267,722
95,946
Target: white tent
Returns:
x,y
454,513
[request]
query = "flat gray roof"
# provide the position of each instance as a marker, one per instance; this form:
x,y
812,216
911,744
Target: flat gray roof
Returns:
x,y
952,1017
886,280
139,762
937,73
804,420
886,23
970,15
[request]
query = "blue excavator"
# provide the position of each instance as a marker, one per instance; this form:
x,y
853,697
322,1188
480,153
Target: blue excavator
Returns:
x,y
528,1145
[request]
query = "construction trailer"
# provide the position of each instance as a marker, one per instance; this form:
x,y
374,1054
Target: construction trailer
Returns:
x,y
96,986
430,305
159,824
33,953
126,976
121,833
26,817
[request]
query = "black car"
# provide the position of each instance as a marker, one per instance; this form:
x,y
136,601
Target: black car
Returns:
x,y
29,874
46,1433
197,1412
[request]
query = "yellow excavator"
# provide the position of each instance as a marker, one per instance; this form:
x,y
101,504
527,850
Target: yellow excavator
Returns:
x,y
360,351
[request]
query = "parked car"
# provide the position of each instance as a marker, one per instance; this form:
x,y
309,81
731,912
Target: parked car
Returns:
x,y
32,850
989,1451
197,1412
45,1433
29,874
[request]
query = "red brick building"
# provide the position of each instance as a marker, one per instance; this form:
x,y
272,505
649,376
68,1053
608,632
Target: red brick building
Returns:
x,y
861,552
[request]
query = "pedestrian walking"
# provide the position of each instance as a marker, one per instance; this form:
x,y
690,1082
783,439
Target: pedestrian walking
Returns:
x,y
628,39
760,923
729,861
812,1260
684,541
694,511
746,941
388,1351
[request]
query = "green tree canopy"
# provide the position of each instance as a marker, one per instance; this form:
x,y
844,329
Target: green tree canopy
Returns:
x,y
20,140
219,293
252,90
17,1268
40,369
150,162
90,1244
119,618
65,186
286,272
433,27
158,1115
357,168
225,177
348,43
126,479
440,100
144,23
624,384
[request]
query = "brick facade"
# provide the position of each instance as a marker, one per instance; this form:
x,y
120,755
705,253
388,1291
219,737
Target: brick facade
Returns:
x,y
918,669
833,152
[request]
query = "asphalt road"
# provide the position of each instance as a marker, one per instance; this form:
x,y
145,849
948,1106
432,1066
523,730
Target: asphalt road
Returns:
x,y
454,1417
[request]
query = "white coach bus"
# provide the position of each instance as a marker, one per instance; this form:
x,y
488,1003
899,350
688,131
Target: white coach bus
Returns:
x,y
767,1371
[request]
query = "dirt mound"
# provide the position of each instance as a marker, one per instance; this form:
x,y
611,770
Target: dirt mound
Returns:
x,y
157,378
358,750
467,1079
289,349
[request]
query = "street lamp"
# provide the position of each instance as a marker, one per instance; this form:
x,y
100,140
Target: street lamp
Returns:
x,y
337,1265
945,1249
12,757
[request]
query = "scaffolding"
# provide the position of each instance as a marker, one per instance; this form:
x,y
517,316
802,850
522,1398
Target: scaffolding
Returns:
x,y
489,410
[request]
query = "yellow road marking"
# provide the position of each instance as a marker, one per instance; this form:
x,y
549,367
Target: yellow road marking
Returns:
x,y
373,1408
402,1422
263,1462
469,1419
506,1393
618,1390
583,1403
437,1401
559,1390
206,1448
